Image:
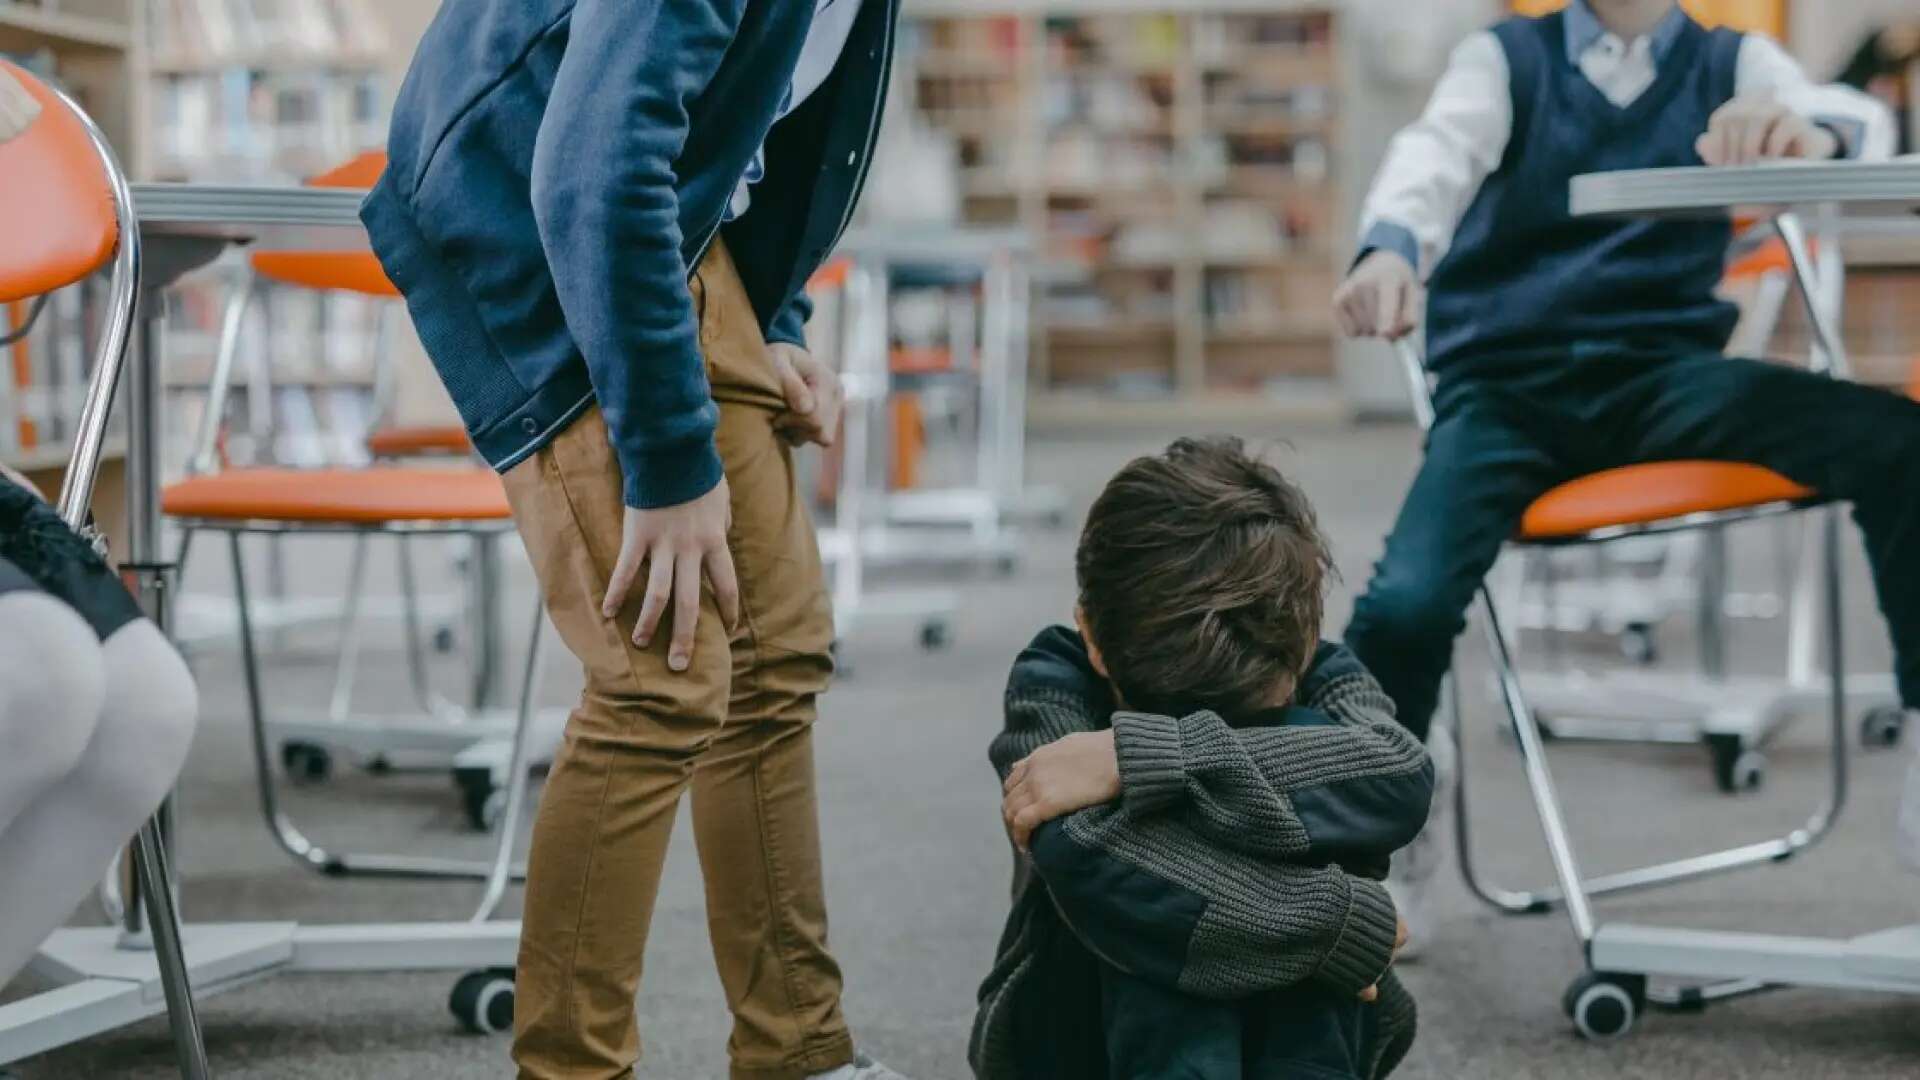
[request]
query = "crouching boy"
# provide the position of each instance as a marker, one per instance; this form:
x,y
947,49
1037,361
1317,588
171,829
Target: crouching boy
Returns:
x,y
1206,796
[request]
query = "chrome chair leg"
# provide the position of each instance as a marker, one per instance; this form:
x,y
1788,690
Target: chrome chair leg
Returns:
x,y
519,766
1547,803
346,667
156,883
285,833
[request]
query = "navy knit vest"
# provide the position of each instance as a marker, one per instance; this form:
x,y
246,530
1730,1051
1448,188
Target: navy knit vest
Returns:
x,y
1524,276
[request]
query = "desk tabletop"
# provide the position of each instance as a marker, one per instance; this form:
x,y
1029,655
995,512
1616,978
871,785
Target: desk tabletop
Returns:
x,y
273,217
1859,189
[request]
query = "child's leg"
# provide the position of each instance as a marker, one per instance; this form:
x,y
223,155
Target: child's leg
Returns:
x,y
50,693
57,848
1154,1033
1483,466
1297,1035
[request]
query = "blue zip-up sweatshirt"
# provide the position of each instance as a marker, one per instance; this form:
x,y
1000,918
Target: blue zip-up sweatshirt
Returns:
x,y
556,168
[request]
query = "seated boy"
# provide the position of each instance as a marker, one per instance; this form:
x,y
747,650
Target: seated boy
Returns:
x,y
1562,346
1204,900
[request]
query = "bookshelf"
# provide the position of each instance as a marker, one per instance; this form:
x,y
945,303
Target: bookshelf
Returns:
x,y
1174,162
261,91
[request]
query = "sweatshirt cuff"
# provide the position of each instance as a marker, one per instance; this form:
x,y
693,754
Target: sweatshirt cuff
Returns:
x,y
1389,236
789,325
662,478
1153,768
1364,949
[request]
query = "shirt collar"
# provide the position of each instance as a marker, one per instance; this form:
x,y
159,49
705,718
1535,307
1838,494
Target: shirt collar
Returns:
x,y
1583,29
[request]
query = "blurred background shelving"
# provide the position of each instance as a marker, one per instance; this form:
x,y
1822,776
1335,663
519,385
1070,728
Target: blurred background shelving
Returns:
x,y
1174,163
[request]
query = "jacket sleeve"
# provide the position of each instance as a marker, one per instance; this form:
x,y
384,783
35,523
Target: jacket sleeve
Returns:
x,y
1340,780
1160,902
789,325
605,203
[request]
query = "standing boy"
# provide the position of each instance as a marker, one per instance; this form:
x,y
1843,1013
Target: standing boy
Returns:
x,y
602,214
1563,345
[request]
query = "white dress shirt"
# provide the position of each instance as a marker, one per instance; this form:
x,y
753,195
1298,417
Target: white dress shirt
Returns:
x,y
1434,167
826,40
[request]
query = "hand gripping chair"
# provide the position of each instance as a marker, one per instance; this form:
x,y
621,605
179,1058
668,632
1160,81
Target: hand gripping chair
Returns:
x,y
66,213
1661,498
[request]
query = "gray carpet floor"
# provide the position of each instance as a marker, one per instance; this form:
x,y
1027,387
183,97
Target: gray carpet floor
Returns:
x,y
918,865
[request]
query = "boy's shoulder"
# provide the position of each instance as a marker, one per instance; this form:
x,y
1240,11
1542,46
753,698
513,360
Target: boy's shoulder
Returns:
x,y
1056,659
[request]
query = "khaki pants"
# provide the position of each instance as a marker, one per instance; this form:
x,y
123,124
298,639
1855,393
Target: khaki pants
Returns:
x,y
737,728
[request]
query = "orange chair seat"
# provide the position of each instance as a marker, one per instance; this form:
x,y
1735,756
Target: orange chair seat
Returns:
x,y
375,496
422,439
1644,494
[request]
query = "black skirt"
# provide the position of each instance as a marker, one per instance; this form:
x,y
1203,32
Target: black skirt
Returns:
x,y
39,552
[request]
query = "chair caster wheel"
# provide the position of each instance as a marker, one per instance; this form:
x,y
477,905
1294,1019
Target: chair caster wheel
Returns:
x,y
378,765
482,799
443,640
1736,768
935,636
1637,644
1603,1005
1882,726
305,762
483,1001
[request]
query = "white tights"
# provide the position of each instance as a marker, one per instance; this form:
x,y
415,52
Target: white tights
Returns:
x,y
92,736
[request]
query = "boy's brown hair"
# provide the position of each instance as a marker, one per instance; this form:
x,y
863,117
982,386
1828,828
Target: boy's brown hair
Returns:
x,y
1202,573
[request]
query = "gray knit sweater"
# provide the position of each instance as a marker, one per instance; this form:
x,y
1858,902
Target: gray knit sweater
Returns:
x,y
1239,859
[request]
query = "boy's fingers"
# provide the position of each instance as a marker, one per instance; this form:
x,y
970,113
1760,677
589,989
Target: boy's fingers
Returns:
x,y
1013,775
1781,139
659,590
726,587
621,583
1704,147
1388,311
799,397
686,612
1753,140
1370,994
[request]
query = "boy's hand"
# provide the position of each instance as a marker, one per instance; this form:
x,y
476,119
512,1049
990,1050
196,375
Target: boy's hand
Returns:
x,y
1750,129
1382,297
678,545
1372,993
1078,771
813,396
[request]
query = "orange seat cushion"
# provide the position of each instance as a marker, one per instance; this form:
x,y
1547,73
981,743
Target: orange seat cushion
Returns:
x,y
376,496
421,439
1644,494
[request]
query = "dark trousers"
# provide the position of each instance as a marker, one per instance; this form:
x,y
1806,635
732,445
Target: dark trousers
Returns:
x,y
1299,1033
1505,432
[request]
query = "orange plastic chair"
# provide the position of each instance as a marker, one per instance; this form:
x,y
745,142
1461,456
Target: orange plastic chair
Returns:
x,y
65,214
383,499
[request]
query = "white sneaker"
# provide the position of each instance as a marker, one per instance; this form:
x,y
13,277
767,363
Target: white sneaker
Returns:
x,y
861,1067
1410,881
1907,825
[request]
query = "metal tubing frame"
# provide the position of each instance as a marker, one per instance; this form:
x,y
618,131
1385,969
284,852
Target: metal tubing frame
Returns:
x,y
1572,891
76,496
295,843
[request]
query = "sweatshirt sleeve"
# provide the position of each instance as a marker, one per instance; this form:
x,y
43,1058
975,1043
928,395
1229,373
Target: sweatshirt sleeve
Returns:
x,y
1434,167
1340,780
1162,903
609,219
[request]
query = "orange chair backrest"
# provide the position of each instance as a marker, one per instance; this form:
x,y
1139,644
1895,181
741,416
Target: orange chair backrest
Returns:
x,y
57,218
333,271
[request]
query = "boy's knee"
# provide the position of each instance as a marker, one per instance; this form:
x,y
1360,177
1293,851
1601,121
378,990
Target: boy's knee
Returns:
x,y
51,688
1406,614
